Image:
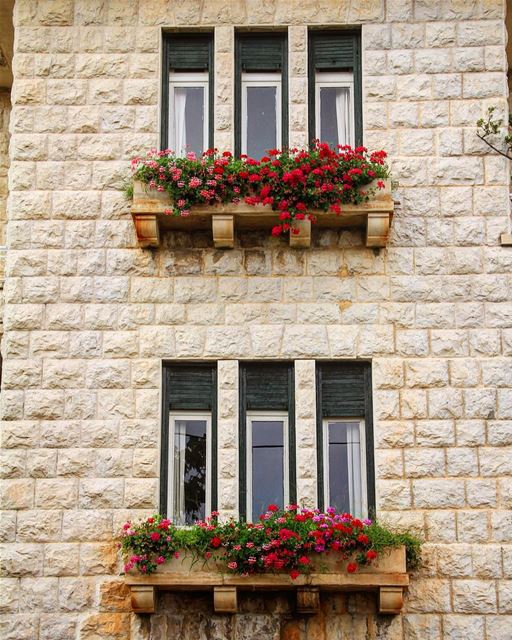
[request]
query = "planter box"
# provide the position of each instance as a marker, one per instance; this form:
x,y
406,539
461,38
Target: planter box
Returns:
x,y
151,221
388,577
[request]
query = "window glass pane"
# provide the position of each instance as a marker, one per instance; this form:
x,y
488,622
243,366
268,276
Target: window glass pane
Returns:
x,y
189,470
189,115
261,120
335,115
267,465
345,487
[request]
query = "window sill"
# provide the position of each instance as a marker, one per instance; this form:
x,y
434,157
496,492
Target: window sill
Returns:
x,y
151,222
388,578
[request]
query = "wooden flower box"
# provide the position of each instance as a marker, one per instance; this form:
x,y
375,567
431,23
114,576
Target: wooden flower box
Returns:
x,y
387,577
150,220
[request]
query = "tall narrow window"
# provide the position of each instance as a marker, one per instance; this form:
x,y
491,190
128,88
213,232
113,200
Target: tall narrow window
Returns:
x,y
261,96
189,485
190,451
267,437
187,93
345,437
335,104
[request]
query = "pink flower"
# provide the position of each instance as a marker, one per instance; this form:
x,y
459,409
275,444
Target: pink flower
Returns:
x,y
154,536
176,554
185,213
232,565
194,182
160,560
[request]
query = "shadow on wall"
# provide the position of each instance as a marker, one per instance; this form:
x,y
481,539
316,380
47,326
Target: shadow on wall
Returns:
x,y
270,616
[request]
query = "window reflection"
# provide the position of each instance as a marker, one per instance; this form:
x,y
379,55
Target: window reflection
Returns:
x,y
189,470
267,465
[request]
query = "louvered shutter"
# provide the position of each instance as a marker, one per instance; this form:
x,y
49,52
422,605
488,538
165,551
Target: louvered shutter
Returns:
x,y
342,389
189,52
267,387
191,387
334,52
262,52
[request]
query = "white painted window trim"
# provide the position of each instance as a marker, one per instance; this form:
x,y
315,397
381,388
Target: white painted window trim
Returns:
x,y
342,80
183,79
362,455
269,415
190,415
261,80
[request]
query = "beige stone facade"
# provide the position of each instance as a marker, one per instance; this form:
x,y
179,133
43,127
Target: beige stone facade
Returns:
x,y
89,316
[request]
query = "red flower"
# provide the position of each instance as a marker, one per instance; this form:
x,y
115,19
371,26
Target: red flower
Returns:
x,y
294,574
362,538
154,536
371,555
216,541
272,507
304,560
352,567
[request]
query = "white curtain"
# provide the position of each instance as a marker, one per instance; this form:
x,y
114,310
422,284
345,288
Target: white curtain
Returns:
x,y
180,443
343,115
354,469
180,127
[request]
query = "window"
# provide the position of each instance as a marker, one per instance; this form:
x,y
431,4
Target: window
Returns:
x,y
344,465
190,449
261,93
267,462
187,93
266,437
261,113
335,102
345,437
189,442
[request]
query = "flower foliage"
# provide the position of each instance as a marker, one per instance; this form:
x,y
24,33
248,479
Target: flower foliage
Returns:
x,y
292,540
293,183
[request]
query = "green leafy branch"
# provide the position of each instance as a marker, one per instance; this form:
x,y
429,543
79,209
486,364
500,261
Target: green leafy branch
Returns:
x,y
489,127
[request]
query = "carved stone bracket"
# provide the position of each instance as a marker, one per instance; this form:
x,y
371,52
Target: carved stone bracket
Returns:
x,y
225,600
223,230
308,599
377,229
143,598
391,600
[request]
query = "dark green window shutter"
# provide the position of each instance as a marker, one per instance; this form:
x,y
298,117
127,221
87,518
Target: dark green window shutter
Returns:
x,y
191,388
267,387
189,52
335,51
261,52
342,389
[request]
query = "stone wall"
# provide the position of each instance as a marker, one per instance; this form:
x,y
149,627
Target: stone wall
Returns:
x,y
5,110
89,316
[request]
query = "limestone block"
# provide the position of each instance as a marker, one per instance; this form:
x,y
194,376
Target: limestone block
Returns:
x,y
97,559
389,463
305,341
429,596
419,626
394,494
426,373
438,494
474,596
56,494
61,559
481,493
266,340
38,526
222,341
141,493
75,462
424,462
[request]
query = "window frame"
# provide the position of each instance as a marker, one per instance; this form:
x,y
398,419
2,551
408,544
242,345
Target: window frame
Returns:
x,y
169,366
263,79
355,67
338,80
278,416
362,452
240,36
192,80
189,415
167,40
352,367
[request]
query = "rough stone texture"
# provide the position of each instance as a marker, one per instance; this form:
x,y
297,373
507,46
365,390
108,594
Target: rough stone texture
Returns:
x,y
89,316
